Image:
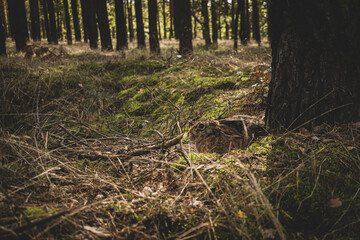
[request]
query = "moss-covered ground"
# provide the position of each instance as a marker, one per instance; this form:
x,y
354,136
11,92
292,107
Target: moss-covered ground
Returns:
x,y
68,123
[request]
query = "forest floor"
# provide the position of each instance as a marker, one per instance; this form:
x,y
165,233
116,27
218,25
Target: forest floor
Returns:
x,y
85,151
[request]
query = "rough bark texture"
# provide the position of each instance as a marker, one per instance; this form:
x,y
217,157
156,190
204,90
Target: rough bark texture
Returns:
x,y
255,21
52,20
67,21
75,15
315,63
121,33
139,25
17,15
35,20
182,17
153,33
103,21
214,24
206,26
2,29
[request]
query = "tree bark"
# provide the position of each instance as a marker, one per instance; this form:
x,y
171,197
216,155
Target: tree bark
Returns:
x,y
182,18
130,20
67,21
52,20
2,30
46,21
214,23
315,63
85,18
206,26
247,20
236,26
104,27
3,16
226,14
171,34
91,27
139,25
59,21
255,21
35,20
243,24
153,33
75,15
164,16
121,32
17,15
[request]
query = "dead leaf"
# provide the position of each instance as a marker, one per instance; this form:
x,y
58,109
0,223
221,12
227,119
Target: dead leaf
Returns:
x,y
335,202
101,232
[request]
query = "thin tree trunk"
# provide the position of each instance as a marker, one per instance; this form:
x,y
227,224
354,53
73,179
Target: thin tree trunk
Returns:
x,y
219,19
35,20
233,10
3,16
67,21
226,14
255,21
121,33
236,25
206,27
2,29
139,25
17,15
75,15
164,17
59,21
91,24
214,22
182,23
130,20
247,20
103,20
153,34
243,24
53,30
85,18
46,21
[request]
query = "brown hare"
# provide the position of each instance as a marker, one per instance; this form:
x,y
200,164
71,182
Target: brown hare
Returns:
x,y
222,136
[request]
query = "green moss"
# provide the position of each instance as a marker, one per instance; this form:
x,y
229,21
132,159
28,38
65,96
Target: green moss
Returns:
x,y
36,212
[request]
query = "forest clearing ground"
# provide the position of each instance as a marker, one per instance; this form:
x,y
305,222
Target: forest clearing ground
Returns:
x,y
67,134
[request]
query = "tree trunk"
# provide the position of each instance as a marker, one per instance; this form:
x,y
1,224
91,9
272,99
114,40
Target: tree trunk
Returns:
x,y
315,63
3,16
46,21
85,18
139,25
35,20
158,23
2,30
164,16
75,15
182,17
16,14
214,22
171,34
206,27
233,4
52,26
67,21
153,34
130,20
247,20
243,24
59,21
91,27
121,33
255,21
226,14
103,21
236,25
219,19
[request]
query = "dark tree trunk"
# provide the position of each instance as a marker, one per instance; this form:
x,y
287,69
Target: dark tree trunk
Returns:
x,y
130,20
91,23
52,27
2,29
46,21
219,20
16,14
35,20
164,16
59,21
206,27
247,20
103,20
233,10
236,26
171,34
243,24
67,21
139,25
158,22
214,22
226,14
315,63
153,34
182,17
121,33
255,21
85,18
3,16
75,15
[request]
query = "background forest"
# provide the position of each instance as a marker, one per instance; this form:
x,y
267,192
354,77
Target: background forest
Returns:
x,y
98,96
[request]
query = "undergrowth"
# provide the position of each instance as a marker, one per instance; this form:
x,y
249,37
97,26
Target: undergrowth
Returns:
x,y
70,126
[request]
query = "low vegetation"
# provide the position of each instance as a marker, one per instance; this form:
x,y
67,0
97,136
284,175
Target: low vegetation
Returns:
x,y
76,131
